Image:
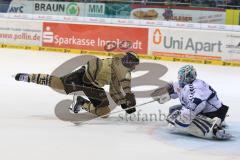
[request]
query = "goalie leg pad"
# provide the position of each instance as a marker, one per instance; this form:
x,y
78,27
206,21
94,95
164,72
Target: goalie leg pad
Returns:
x,y
199,128
180,118
207,128
174,108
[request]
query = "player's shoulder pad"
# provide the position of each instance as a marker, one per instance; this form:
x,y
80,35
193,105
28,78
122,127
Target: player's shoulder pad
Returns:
x,y
199,84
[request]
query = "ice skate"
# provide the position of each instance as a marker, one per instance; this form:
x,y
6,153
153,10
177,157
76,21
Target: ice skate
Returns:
x,y
76,108
221,134
22,77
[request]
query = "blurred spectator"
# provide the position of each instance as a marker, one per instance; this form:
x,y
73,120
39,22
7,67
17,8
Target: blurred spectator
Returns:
x,y
233,2
207,3
4,4
200,3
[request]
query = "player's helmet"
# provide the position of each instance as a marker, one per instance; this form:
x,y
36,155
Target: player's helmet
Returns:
x,y
130,60
186,74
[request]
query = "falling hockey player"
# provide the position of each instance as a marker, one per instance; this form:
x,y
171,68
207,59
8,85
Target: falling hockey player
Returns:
x,y
201,113
90,79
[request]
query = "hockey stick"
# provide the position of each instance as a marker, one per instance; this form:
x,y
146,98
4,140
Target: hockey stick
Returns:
x,y
111,113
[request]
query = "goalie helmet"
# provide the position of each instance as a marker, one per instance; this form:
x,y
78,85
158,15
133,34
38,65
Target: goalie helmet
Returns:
x,y
130,60
186,74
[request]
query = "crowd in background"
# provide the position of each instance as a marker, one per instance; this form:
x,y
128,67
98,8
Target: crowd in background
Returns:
x,y
197,3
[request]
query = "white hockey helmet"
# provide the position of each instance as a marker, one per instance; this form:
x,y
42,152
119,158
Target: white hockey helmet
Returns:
x,y
186,74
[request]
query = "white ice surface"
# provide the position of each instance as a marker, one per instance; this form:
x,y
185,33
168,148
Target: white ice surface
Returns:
x,y
29,129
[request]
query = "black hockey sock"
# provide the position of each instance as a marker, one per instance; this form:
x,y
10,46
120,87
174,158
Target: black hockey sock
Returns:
x,y
43,79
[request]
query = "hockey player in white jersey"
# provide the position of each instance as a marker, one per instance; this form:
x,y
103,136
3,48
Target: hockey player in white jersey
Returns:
x,y
201,113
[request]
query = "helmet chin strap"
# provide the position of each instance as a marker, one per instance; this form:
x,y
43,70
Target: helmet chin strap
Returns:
x,y
181,84
131,68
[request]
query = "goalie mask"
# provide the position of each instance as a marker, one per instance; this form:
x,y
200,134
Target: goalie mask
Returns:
x,y
130,60
186,74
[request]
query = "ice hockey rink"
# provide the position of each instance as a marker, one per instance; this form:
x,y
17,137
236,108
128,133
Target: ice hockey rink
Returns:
x,y
29,129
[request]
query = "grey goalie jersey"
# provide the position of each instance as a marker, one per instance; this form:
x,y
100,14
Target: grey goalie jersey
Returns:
x,y
199,97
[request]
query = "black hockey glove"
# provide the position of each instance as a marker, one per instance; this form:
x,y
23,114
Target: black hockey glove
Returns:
x,y
130,98
170,88
129,111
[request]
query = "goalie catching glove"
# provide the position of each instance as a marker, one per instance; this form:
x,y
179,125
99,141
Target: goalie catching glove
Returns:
x,y
162,94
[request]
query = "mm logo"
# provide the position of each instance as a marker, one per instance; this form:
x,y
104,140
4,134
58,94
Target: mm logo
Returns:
x,y
157,36
96,9
73,9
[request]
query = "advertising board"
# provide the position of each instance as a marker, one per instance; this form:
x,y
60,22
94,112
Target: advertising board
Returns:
x,y
94,37
13,32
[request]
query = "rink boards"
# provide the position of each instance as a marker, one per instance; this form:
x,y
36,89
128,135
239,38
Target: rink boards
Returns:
x,y
209,44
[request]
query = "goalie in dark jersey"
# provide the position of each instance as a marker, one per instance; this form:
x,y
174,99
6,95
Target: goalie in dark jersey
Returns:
x,y
90,79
